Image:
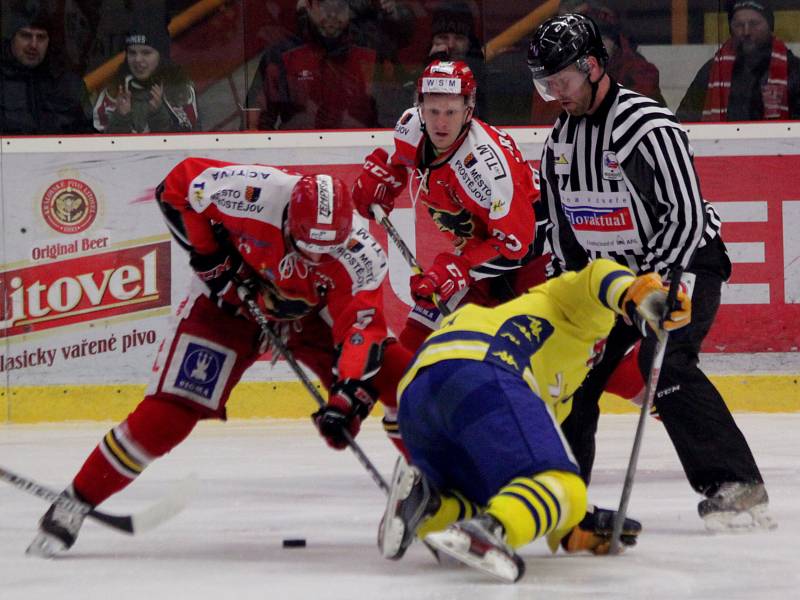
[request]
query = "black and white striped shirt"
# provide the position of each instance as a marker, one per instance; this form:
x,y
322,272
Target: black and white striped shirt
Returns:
x,y
620,184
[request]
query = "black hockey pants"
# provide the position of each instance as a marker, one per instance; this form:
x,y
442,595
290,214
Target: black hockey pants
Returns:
x,y
709,444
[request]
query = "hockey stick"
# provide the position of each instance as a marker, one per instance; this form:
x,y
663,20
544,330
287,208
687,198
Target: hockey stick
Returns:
x,y
145,520
411,260
278,344
649,395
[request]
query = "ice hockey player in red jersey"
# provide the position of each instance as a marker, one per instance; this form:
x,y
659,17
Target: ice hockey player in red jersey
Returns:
x,y
476,187
289,241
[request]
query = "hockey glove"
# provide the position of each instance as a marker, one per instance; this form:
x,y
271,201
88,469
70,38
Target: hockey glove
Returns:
x,y
228,277
379,183
349,403
594,532
645,304
448,275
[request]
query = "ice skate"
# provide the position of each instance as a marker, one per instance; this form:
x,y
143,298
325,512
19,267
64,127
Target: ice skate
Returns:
x,y
411,500
480,543
58,530
737,506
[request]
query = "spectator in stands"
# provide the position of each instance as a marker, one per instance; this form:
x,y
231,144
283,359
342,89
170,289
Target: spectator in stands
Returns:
x,y
453,37
386,26
38,95
753,76
149,93
625,64
318,80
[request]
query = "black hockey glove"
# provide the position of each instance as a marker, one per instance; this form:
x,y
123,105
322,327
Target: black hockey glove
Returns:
x,y
349,403
228,277
593,533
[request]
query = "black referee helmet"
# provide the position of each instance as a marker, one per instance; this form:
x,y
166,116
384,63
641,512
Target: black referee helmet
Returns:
x,y
563,40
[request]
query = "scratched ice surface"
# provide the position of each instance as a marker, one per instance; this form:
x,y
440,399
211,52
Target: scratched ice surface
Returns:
x,y
263,481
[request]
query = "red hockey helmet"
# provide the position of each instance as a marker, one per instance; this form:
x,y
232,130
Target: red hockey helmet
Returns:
x,y
320,214
448,77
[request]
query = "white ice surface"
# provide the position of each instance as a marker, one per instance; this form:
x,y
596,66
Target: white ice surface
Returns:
x,y
262,481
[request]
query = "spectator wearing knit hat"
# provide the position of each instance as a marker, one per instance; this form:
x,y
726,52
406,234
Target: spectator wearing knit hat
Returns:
x,y
149,93
38,95
753,76
454,37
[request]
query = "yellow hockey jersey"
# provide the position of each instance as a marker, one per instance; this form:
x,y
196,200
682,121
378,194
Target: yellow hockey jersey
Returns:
x,y
551,335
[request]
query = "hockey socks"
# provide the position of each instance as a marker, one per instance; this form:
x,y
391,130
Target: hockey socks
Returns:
x,y
454,507
154,428
549,503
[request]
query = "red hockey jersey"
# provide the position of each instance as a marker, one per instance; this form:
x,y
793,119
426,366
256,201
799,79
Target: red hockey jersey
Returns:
x,y
250,203
481,195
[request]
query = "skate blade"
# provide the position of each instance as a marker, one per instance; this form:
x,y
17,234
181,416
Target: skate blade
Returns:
x,y
45,545
456,544
391,538
740,522
392,528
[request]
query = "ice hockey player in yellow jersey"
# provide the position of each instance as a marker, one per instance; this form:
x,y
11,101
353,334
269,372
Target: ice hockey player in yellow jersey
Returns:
x,y
479,411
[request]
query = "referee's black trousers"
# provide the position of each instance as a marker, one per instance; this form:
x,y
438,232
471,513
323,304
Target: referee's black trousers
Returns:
x,y
709,444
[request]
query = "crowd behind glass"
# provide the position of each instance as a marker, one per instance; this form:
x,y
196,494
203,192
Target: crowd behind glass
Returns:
x,y
127,66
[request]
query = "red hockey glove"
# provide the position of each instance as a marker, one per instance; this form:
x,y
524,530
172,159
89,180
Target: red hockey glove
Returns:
x,y
448,275
378,183
349,403
645,303
228,277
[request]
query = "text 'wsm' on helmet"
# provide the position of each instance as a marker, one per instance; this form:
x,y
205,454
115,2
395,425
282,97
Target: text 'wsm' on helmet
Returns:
x,y
448,77
562,41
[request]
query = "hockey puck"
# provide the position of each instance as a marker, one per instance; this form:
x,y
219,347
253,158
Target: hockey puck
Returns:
x,y
294,543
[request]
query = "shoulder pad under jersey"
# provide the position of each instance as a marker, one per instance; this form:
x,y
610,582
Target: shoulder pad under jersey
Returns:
x,y
364,260
483,168
244,191
408,133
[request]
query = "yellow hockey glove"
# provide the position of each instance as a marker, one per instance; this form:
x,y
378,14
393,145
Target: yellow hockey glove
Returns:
x,y
645,305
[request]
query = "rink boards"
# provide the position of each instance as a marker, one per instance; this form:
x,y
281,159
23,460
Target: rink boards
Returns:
x,y
89,275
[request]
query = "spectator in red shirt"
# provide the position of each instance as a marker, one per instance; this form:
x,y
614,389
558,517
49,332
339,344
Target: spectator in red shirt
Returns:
x,y
321,80
625,64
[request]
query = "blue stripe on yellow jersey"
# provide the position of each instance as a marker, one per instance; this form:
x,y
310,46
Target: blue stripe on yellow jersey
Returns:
x,y
547,336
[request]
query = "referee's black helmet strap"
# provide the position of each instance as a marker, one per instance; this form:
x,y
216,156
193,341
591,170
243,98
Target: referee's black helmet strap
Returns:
x,y
563,40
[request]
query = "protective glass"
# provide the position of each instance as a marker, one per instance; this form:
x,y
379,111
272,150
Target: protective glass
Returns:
x,y
563,84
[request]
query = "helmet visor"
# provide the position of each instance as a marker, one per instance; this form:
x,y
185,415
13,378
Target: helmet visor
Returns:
x,y
561,85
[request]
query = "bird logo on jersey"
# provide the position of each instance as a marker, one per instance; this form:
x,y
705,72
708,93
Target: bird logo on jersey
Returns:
x,y
458,224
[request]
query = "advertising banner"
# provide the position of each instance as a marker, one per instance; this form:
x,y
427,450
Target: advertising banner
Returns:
x,y
89,274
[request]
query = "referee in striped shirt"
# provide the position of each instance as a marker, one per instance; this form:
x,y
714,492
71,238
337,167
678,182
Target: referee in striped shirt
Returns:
x,y
618,182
